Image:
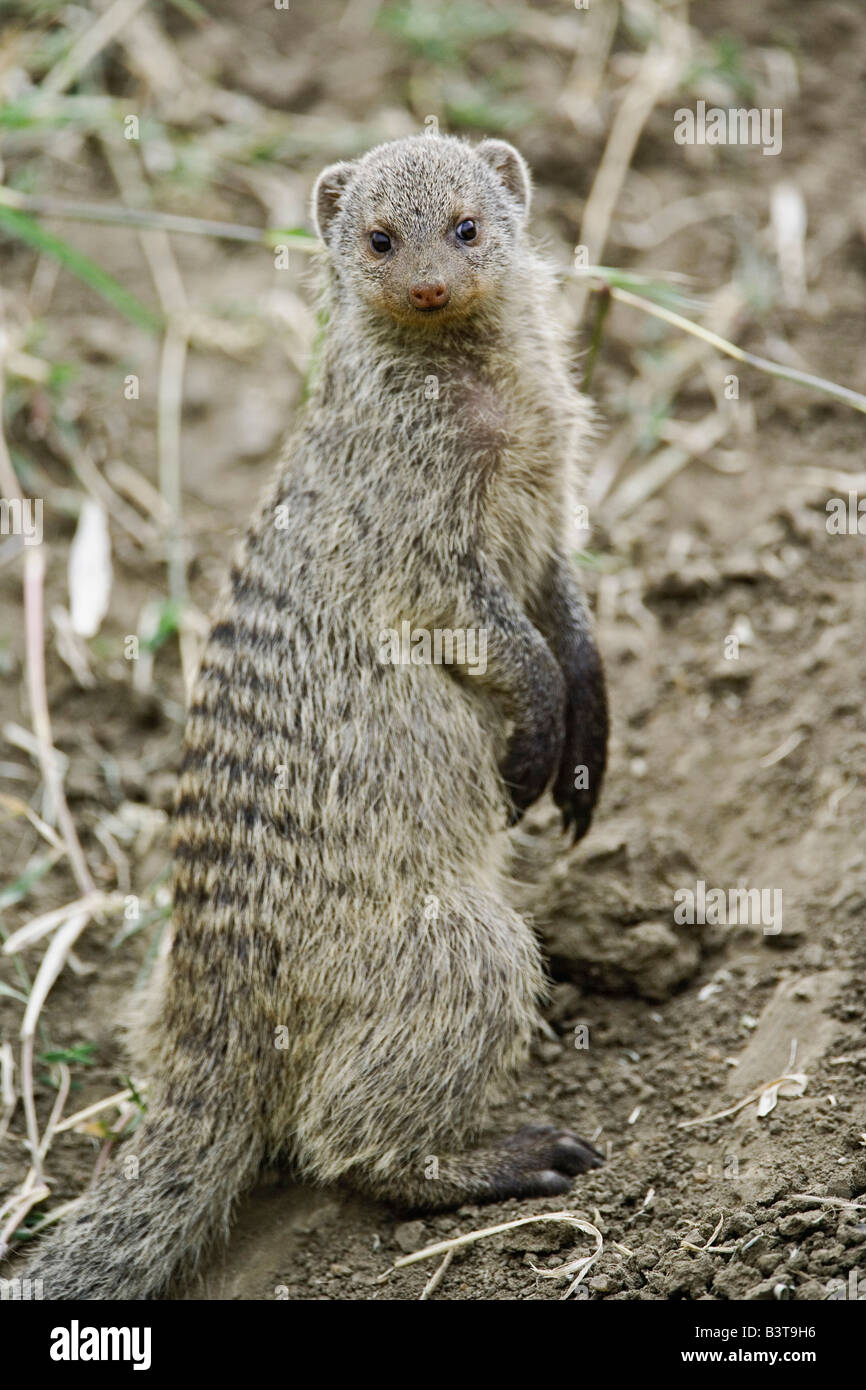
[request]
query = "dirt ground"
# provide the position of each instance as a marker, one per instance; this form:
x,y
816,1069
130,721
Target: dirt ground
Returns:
x,y
745,771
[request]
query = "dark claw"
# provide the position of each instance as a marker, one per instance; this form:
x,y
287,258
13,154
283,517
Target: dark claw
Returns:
x,y
575,820
574,1155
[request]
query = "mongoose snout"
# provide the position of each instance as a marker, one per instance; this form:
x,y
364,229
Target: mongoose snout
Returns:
x,y
348,982
431,296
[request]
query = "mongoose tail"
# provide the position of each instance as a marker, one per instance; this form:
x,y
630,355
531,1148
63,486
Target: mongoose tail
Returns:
x,y
155,1210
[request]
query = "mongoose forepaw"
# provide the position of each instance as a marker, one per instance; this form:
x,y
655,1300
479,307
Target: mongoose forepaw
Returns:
x,y
528,767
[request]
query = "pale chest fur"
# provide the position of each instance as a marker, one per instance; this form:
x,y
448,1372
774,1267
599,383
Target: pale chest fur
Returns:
x,y
523,438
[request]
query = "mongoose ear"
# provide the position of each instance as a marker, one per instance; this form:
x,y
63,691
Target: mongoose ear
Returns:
x,y
511,168
329,189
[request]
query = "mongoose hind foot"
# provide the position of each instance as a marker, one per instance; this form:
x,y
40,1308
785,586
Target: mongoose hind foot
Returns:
x,y
540,1160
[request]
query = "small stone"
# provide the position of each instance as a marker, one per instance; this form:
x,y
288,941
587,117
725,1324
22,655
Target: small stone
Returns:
x,y
739,1222
772,1190
769,1290
811,1291
854,1234
410,1236
646,1259
801,1223
840,1187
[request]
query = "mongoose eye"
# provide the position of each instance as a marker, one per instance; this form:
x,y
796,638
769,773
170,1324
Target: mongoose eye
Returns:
x,y
380,242
467,230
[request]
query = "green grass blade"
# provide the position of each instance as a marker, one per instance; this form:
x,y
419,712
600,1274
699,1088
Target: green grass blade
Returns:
x,y
18,224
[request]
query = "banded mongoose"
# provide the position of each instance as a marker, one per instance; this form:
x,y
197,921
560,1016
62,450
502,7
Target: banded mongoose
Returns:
x,y
347,983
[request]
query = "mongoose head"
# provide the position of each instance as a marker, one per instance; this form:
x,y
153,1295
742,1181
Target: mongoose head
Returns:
x,y
425,230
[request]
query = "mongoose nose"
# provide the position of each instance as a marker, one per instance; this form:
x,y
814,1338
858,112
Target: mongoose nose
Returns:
x,y
431,296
